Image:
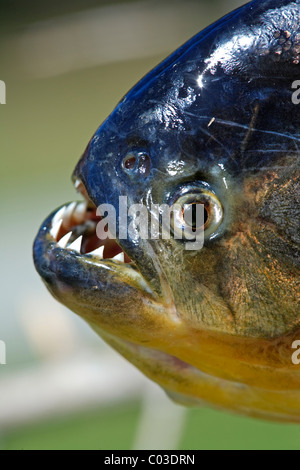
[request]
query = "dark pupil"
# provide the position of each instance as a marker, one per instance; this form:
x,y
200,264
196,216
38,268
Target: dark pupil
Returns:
x,y
129,163
191,216
194,217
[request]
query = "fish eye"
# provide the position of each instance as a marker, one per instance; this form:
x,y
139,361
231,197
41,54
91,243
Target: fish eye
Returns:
x,y
199,211
136,164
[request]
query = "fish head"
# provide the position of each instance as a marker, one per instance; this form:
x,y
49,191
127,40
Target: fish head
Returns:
x,y
214,126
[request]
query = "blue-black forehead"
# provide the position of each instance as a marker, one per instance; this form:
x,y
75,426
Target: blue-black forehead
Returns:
x,y
230,98
243,76
255,96
259,18
239,124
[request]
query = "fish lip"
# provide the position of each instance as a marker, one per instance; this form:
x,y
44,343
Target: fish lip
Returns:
x,y
59,266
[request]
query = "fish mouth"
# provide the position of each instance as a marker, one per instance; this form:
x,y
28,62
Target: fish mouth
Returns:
x,y
120,291
73,228
67,248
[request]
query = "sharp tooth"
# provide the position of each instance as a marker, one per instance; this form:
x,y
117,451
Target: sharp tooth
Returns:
x,y
55,229
58,216
76,246
64,241
98,252
119,257
69,211
77,183
80,212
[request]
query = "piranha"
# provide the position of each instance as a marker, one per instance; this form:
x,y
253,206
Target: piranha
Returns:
x,y
215,124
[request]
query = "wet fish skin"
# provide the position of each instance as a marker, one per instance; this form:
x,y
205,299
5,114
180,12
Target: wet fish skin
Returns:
x,y
215,325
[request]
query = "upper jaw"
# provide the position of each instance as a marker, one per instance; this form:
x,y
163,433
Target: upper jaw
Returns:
x,y
136,262
142,253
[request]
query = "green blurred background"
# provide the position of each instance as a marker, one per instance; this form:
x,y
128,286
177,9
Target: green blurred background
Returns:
x,y
66,64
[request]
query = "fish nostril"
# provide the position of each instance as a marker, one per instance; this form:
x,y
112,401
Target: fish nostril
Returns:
x,y
137,164
129,162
